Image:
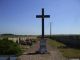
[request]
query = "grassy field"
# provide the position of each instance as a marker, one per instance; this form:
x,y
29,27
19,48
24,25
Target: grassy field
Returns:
x,y
56,44
67,52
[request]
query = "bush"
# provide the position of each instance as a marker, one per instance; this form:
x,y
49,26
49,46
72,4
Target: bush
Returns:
x,y
8,47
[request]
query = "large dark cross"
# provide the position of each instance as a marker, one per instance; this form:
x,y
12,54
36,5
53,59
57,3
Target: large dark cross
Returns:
x,y
42,48
42,16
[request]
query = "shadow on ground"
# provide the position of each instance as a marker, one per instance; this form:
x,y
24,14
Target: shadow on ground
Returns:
x,y
36,53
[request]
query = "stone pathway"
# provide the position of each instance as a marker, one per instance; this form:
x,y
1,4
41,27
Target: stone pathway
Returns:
x,y
54,54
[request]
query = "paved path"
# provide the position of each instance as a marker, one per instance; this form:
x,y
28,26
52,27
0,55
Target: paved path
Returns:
x,y
54,54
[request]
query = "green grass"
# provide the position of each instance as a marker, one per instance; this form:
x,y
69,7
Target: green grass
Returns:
x,y
70,52
56,44
67,52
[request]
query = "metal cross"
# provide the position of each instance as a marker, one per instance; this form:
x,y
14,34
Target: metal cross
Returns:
x,y
43,16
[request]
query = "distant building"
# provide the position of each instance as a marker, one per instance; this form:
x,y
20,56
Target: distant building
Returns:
x,y
16,38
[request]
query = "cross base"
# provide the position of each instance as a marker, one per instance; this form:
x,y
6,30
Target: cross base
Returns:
x,y
42,49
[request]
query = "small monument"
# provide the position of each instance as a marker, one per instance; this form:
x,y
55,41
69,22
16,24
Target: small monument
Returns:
x,y
42,48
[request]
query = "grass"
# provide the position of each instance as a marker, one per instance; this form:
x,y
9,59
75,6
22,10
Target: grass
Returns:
x,y
70,52
67,52
56,44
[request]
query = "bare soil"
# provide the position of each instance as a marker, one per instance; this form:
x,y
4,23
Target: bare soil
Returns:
x,y
30,54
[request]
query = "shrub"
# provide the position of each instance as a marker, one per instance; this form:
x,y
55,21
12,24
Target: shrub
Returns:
x,y
8,47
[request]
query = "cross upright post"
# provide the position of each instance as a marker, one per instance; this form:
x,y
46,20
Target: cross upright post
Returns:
x,y
42,16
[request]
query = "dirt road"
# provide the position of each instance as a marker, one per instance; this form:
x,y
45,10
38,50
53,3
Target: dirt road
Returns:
x,y
54,54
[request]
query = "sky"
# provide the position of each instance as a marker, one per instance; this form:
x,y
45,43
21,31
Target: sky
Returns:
x,y
19,16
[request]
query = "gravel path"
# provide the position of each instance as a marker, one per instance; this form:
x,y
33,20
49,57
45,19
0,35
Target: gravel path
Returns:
x,y
54,54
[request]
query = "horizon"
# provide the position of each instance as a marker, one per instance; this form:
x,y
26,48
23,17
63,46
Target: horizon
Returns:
x,y
45,35
19,16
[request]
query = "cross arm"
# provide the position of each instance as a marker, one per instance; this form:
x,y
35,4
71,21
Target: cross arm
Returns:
x,y
47,16
38,16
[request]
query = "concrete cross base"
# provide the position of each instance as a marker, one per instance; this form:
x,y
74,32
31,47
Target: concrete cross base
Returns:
x,y
42,49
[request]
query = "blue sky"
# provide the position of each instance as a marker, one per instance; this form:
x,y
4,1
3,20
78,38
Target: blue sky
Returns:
x,y
19,16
